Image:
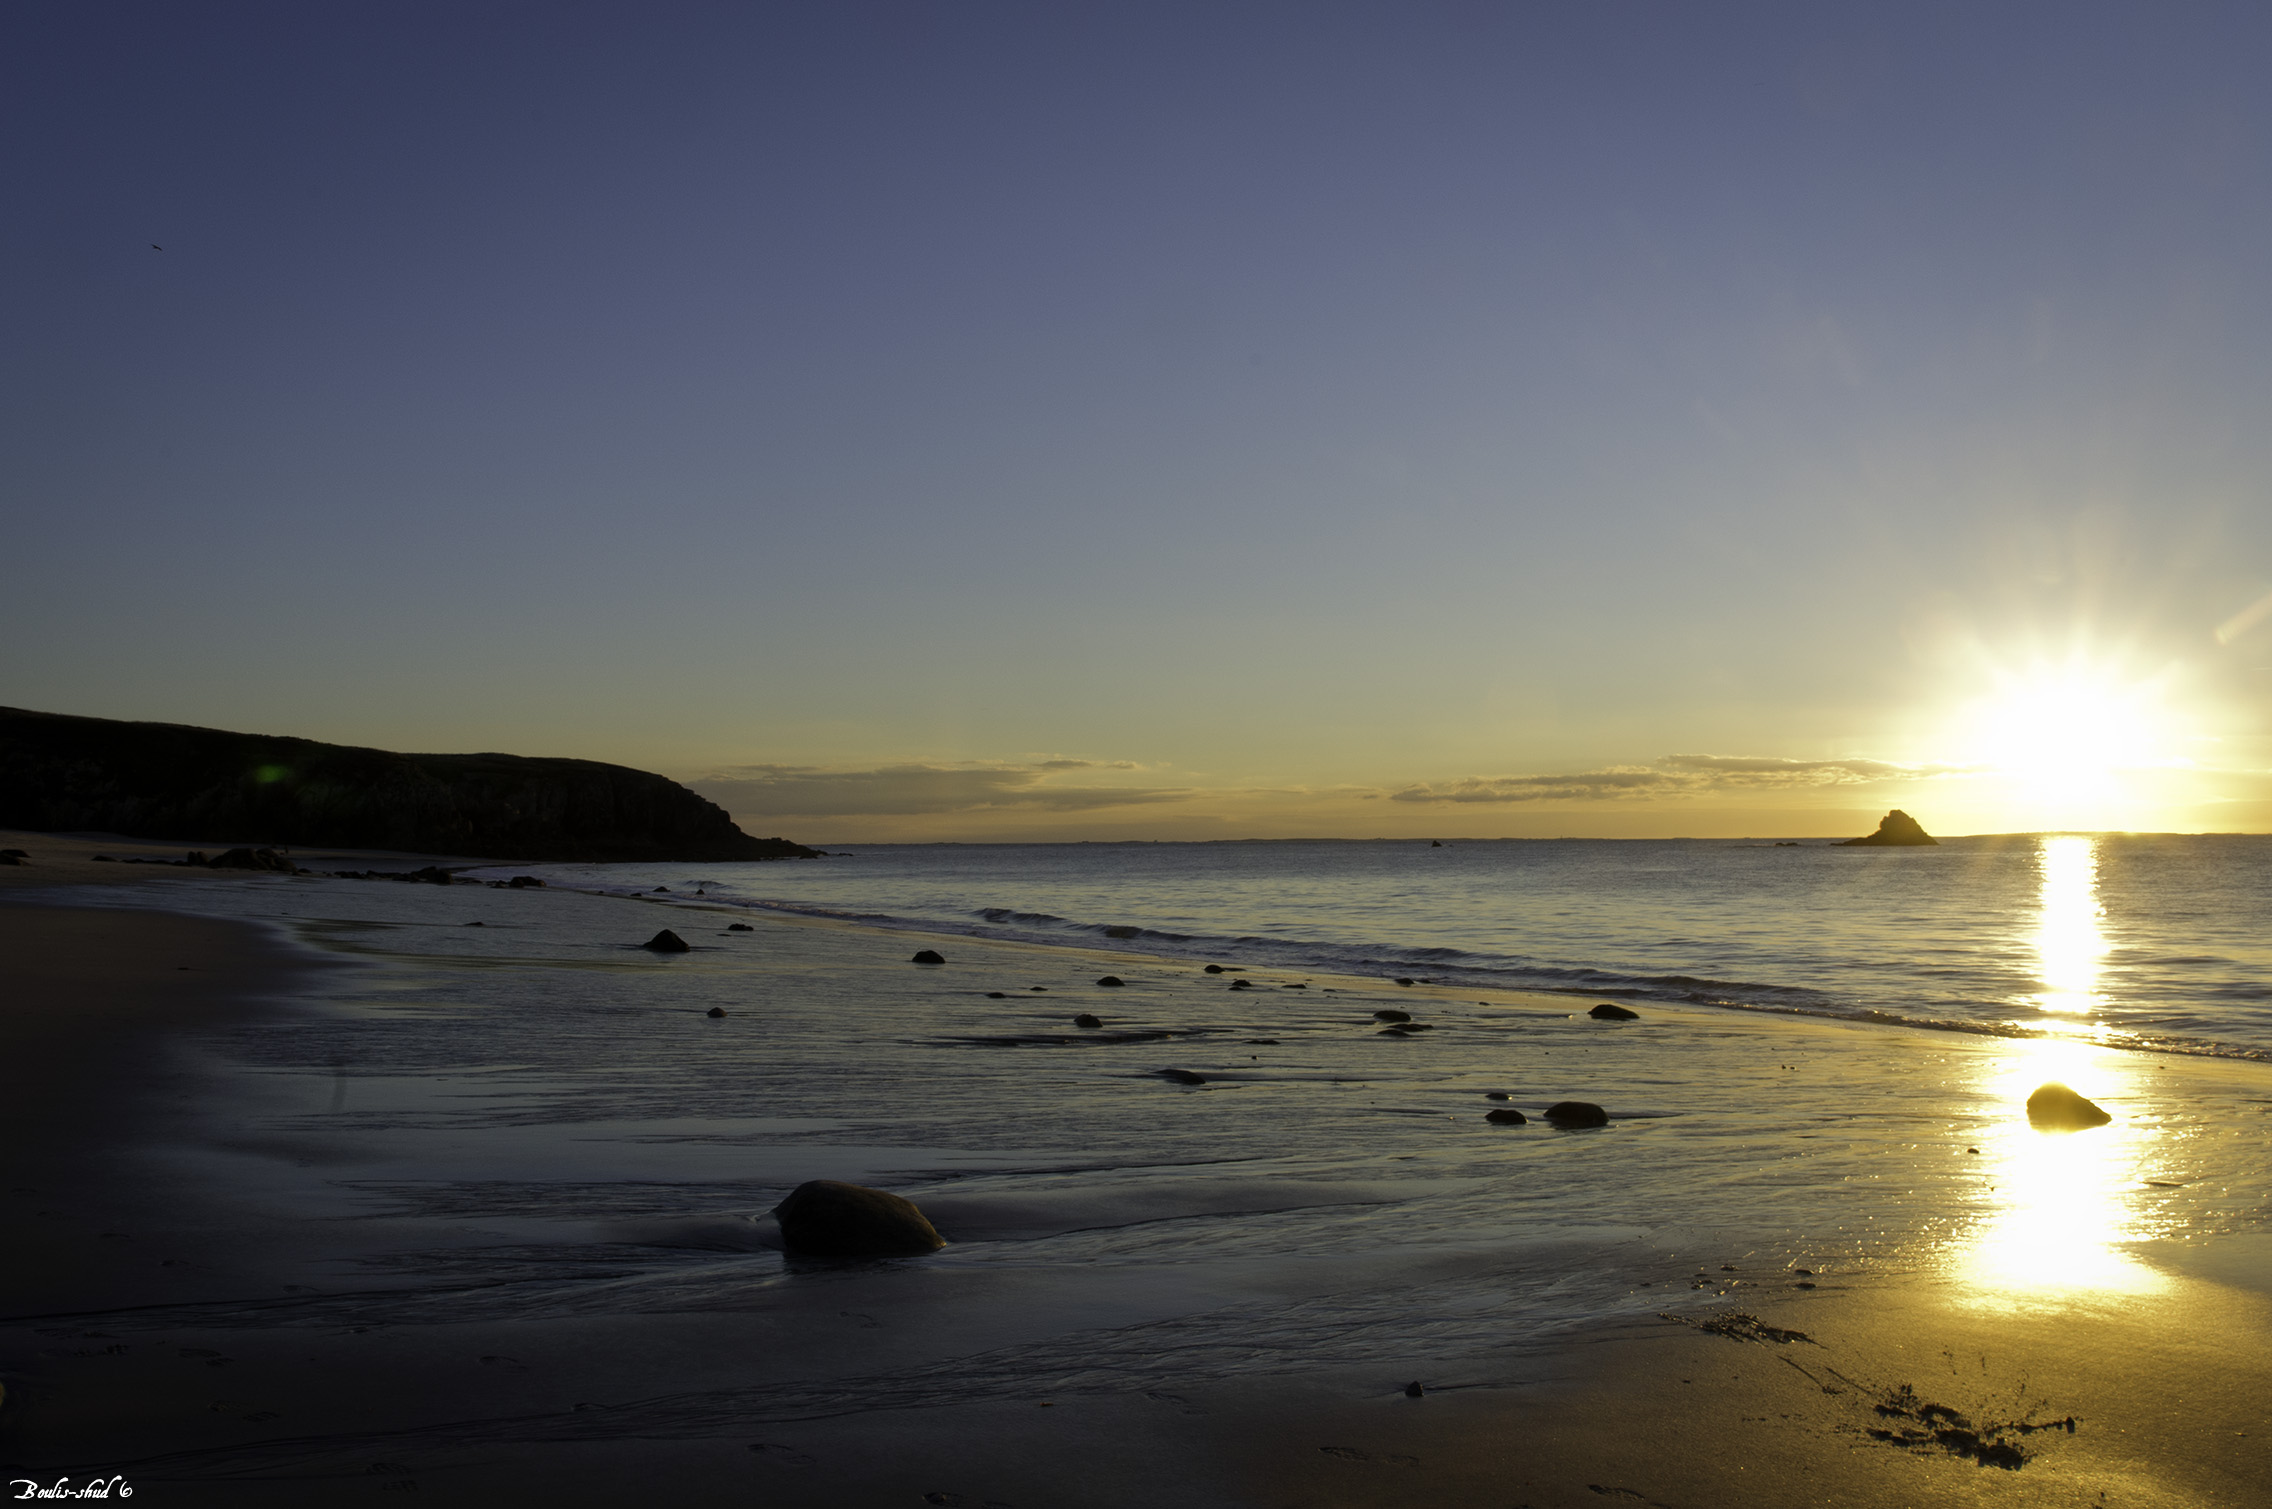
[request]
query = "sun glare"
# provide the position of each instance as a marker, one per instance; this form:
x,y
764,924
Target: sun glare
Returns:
x,y
2069,744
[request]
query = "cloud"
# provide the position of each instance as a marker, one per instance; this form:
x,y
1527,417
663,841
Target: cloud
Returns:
x,y
1674,775
917,790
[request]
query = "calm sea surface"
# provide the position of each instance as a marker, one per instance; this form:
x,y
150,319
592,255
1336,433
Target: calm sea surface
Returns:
x,y
2160,941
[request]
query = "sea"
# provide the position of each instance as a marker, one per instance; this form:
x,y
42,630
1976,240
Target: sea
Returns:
x,y
2151,941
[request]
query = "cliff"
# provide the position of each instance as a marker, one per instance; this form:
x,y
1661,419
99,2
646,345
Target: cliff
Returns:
x,y
1896,829
166,780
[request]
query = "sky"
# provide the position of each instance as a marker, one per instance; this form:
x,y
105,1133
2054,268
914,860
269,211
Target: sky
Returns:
x,y
997,421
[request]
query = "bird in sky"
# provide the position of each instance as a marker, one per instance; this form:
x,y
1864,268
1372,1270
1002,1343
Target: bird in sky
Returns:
x,y
154,246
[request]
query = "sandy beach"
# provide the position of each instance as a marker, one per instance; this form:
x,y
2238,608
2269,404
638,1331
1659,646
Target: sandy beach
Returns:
x,y
316,1191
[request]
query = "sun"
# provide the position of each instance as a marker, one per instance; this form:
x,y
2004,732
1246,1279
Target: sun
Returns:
x,y
2067,740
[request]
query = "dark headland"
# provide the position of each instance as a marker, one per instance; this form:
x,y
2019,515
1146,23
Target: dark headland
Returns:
x,y
166,780
1897,829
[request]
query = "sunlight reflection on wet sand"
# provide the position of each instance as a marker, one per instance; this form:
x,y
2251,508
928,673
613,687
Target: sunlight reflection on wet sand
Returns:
x,y
2062,1204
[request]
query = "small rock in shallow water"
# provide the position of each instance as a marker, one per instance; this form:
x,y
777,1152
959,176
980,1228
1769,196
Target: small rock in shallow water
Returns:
x,y
1214,969
1085,1020
1111,980
1497,1095
928,956
715,1011
825,1218
1608,1013
1392,1016
997,995
1577,1113
1182,1077
666,942
739,927
663,888
1506,1118
2055,1108
1413,1390
1403,980
1242,985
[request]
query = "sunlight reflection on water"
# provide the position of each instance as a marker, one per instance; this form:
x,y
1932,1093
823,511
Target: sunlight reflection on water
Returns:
x,y
2063,1202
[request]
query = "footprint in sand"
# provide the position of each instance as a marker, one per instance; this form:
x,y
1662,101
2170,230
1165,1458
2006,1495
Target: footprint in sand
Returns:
x,y
784,1456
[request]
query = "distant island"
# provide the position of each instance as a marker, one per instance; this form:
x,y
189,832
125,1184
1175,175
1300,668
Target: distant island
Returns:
x,y
169,781
1897,829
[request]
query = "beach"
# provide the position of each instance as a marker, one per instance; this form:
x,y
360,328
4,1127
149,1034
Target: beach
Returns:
x,y
346,1195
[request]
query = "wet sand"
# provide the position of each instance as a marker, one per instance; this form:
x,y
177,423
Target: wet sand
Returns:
x,y
254,1290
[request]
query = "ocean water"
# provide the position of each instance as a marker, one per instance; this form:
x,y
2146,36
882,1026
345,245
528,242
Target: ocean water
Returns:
x,y
2155,941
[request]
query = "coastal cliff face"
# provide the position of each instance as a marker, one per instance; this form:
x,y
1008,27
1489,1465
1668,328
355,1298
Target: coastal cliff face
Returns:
x,y
1897,829
166,780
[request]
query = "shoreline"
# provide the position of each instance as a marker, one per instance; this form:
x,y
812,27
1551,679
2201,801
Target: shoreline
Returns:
x,y
2162,1383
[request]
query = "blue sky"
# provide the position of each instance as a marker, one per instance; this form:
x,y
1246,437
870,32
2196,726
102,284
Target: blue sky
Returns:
x,y
992,420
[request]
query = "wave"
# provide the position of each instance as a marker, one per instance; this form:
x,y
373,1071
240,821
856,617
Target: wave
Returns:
x,y
1442,965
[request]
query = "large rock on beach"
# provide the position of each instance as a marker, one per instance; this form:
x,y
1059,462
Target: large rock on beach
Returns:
x,y
666,942
1608,1013
253,859
1110,981
928,956
1897,829
1577,1113
825,1218
2055,1108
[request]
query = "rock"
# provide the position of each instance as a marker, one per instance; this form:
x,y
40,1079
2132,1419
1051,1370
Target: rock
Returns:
x,y
1086,1021
101,859
1214,969
1506,1118
715,1011
1608,1013
997,995
10,859
524,883
1111,980
26,854
1577,1113
1123,932
666,942
1029,987
253,859
2055,1108
928,956
477,924
1262,1042
664,889
1497,1095
1403,980
1182,1077
1897,829
1296,985
1400,1030
1413,1390
1392,1015
1242,985
739,927
825,1218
